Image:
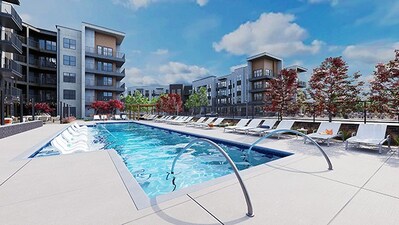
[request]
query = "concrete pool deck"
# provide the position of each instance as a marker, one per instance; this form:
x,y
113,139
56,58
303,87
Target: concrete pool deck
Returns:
x,y
86,188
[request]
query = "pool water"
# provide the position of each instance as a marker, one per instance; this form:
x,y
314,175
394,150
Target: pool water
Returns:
x,y
148,153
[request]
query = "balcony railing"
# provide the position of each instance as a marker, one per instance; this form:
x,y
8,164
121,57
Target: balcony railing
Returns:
x,y
20,58
42,80
13,91
262,77
118,55
42,47
114,72
11,66
302,84
8,9
41,63
12,40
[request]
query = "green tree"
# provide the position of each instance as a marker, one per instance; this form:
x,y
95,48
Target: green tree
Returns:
x,y
197,100
132,102
202,98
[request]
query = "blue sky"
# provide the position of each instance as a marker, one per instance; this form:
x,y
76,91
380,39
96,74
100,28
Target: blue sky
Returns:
x,y
169,41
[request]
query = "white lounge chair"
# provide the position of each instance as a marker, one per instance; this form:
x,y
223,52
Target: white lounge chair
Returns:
x,y
104,117
200,120
179,119
117,117
66,147
124,117
186,120
253,124
325,132
205,123
96,117
284,124
67,135
266,125
212,124
240,123
370,134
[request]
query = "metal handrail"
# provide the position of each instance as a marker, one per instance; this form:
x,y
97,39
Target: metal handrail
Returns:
x,y
330,167
250,212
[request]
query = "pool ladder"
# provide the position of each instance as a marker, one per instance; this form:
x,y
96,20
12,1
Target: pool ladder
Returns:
x,y
250,212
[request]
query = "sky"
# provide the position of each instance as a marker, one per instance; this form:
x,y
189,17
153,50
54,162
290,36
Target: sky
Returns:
x,y
178,41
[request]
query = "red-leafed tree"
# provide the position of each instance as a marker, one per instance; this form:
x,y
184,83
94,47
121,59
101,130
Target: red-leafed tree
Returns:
x,y
43,107
385,86
280,93
115,104
170,103
332,89
100,107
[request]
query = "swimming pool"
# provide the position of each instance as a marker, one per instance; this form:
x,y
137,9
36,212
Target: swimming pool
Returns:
x,y
148,153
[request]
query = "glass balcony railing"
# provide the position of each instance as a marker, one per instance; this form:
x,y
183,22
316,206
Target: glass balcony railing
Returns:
x,y
119,55
9,9
12,39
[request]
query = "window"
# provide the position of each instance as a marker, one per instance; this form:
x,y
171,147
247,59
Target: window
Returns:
x,y
47,45
258,73
258,97
107,81
69,43
239,87
69,60
104,66
106,96
258,85
102,50
69,94
268,72
69,77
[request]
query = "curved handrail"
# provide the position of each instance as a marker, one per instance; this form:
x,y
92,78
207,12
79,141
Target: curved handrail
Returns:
x,y
330,167
250,212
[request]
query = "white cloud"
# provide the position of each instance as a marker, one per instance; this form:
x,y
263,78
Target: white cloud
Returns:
x,y
371,53
332,2
272,32
172,72
202,2
134,4
161,52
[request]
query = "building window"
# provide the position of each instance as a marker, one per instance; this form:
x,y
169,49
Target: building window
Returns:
x,y
106,96
258,85
47,45
268,72
258,97
69,77
107,81
239,87
102,50
258,73
104,66
69,43
69,60
69,94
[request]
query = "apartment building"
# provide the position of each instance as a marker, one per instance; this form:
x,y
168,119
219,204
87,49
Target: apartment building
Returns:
x,y
39,65
10,70
183,90
149,92
210,84
262,68
90,67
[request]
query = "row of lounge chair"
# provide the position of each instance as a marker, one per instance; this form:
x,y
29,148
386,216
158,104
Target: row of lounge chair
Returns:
x,y
105,117
73,139
367,134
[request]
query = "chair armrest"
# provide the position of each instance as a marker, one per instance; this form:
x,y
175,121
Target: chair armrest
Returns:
x,y
353,134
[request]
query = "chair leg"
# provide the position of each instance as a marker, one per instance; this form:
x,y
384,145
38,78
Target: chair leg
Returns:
x,y
380,148
328,142
346,145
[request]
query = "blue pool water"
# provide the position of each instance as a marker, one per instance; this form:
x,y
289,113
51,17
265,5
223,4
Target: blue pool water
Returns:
x,y
148,153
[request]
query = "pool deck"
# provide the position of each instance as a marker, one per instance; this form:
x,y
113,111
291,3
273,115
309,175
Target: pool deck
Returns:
x,y
86,188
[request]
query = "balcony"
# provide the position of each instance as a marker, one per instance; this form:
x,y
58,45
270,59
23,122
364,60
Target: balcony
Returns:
x,y
43,80
257,90
43,64
117,57
43,98
9,17
101,87
301,84
263,77
10,68
41,46
20,58
117,73
91,99
10,42
12,94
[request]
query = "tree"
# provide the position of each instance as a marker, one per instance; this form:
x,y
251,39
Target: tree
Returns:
x,y
197,100
170,103
280,93
132,102
301,101
100,107
332,89
115,104
43,107
385,86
